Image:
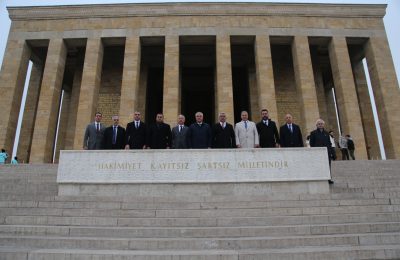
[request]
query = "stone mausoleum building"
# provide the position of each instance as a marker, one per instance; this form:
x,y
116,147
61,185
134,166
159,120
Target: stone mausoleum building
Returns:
x,y
188,57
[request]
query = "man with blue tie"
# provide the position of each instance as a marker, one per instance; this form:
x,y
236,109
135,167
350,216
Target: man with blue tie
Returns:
x,y
246,133
290,133
114,136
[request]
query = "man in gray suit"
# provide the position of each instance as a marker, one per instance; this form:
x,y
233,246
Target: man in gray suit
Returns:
x,y
179,134
246,133
94,134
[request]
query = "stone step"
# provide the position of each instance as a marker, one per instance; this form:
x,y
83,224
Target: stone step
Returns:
x,y
198,213
370,184
171,243
204,221
202,231
194,205
302,253
174,198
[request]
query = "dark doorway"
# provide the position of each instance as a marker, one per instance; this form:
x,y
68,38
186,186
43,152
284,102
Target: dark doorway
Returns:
x,y
198,93
243,61
152,76
240,81
154,95
197,64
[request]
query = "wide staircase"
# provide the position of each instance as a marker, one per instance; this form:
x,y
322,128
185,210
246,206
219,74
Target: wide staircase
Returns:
x,y
359,219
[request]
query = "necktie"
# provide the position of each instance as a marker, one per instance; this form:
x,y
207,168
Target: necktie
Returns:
x,y
98,127
290,128
180,128
137,125
114,140
245,124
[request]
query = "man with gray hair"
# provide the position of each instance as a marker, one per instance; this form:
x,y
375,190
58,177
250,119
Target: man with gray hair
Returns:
x,y
114,135
320,138
180,134
199,133
246,133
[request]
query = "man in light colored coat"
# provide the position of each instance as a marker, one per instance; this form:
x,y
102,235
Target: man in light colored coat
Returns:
x,y
246,133
93,138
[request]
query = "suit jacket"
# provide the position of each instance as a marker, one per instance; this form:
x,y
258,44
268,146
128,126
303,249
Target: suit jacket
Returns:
x,y
108,138
291,139
180,139
199,136
247,138
223,137
269,136
92,139
135,138
159,136
321,139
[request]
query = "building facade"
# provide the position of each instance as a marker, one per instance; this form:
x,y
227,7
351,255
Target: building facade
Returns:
x,y
187,57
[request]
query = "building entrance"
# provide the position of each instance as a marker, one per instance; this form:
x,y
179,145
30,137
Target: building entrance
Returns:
x,y
197,62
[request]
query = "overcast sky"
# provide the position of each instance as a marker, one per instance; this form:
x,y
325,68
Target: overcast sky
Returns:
x,y
391,20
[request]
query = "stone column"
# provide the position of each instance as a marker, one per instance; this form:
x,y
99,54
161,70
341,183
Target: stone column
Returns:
x,y
305,84
346,95
320,89
73,108
90,86
224,88
130,80
386,92
171,89
49,102
254,106
142,92
367,116
265,77
12,79
29,117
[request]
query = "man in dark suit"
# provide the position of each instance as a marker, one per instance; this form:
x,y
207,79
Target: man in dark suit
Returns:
x,y
159,134
290,134
223,135
114,136
268,132
93,138
199,133
135,137
180,134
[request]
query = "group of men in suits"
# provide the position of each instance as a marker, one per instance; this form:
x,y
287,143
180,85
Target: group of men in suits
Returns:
x,y
199,135
265,133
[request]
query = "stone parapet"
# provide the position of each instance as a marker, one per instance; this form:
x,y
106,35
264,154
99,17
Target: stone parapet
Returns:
x,y
195,9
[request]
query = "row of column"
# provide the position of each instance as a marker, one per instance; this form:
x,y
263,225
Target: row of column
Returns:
x,y
17,55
